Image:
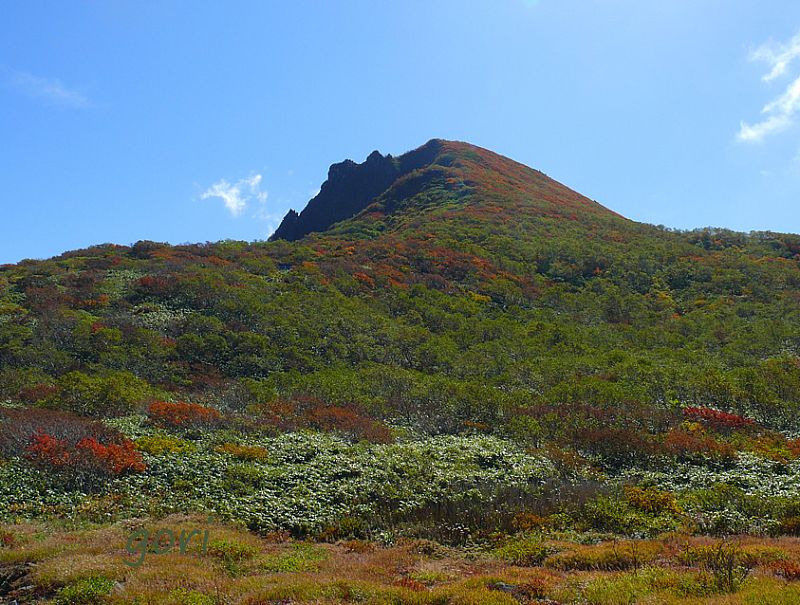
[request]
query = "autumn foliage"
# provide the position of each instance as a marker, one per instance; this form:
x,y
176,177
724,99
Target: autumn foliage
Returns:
x,y
79,448
87,456
686,444
303,411
716,419
181,415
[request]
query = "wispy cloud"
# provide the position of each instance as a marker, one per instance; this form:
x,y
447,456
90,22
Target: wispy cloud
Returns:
x,y
778,56
238,195
780,112
47,90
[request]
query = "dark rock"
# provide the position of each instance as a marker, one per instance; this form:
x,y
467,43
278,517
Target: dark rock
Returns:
x,y
350,188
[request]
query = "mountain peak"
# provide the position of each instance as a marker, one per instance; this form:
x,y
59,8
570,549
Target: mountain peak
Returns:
x,y
386,183
350,188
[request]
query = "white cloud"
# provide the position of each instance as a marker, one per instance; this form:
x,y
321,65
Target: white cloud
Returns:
x,y
48,90
757,132
778,113
236,196
778,56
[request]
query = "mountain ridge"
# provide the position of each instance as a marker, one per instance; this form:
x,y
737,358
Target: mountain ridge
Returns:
x,y
380,182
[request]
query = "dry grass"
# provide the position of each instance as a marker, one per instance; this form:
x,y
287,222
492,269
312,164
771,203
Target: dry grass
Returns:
x,y
240,568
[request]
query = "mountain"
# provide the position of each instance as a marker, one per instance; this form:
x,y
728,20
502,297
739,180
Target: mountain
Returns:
x,y
446,361
445,288
383,184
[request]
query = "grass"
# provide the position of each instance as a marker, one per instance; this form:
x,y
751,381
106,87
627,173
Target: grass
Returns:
x,y
85,565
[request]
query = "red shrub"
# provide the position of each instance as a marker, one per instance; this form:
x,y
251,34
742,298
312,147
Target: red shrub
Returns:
x,y
156,285
18,427
410,584
182,415
115,458
684,444
787,570
348,421
88,456
7,539
615,445
80,449
49,450
302,411
364,279
36,393
716,419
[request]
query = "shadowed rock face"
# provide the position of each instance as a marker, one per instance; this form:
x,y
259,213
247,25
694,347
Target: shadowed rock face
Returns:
x,y
350,188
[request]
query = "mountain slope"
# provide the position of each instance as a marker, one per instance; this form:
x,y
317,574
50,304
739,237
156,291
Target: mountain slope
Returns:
x,y
382,185
450,286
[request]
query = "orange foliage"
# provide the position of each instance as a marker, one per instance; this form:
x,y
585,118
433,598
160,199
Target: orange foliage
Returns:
x,y
679,442
182,415
410,584
87,455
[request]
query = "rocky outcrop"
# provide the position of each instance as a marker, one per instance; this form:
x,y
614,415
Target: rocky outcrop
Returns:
x,y
351,187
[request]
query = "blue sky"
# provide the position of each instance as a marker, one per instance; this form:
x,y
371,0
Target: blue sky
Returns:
x,y
198,121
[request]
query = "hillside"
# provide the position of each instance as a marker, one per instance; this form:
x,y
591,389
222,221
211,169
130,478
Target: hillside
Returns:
x,y
434,176
446,304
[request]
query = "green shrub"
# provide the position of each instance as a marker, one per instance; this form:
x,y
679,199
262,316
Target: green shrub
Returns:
x,y
301,557
243,452
191,597
164,444
618,515
88,591
231,551
345,528
242,479
108,394
725,565
232,554
608,556
528,551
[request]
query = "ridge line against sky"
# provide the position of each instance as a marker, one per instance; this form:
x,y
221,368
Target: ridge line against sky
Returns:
x,y
181,122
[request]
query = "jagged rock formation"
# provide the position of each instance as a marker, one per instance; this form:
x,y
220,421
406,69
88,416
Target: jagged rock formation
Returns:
x,y
351,187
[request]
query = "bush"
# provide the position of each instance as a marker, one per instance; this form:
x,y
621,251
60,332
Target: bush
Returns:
x,y
242,479
528,551
243,452
7,539
349,422
109,394
231,551
651,501
613,556
301,557
303,411
344,528
525,522
87,456
20,425
788,570
613,514
81,449
790,526
615,446
191,597
89,591
726,564
686,445
720,421
182,415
